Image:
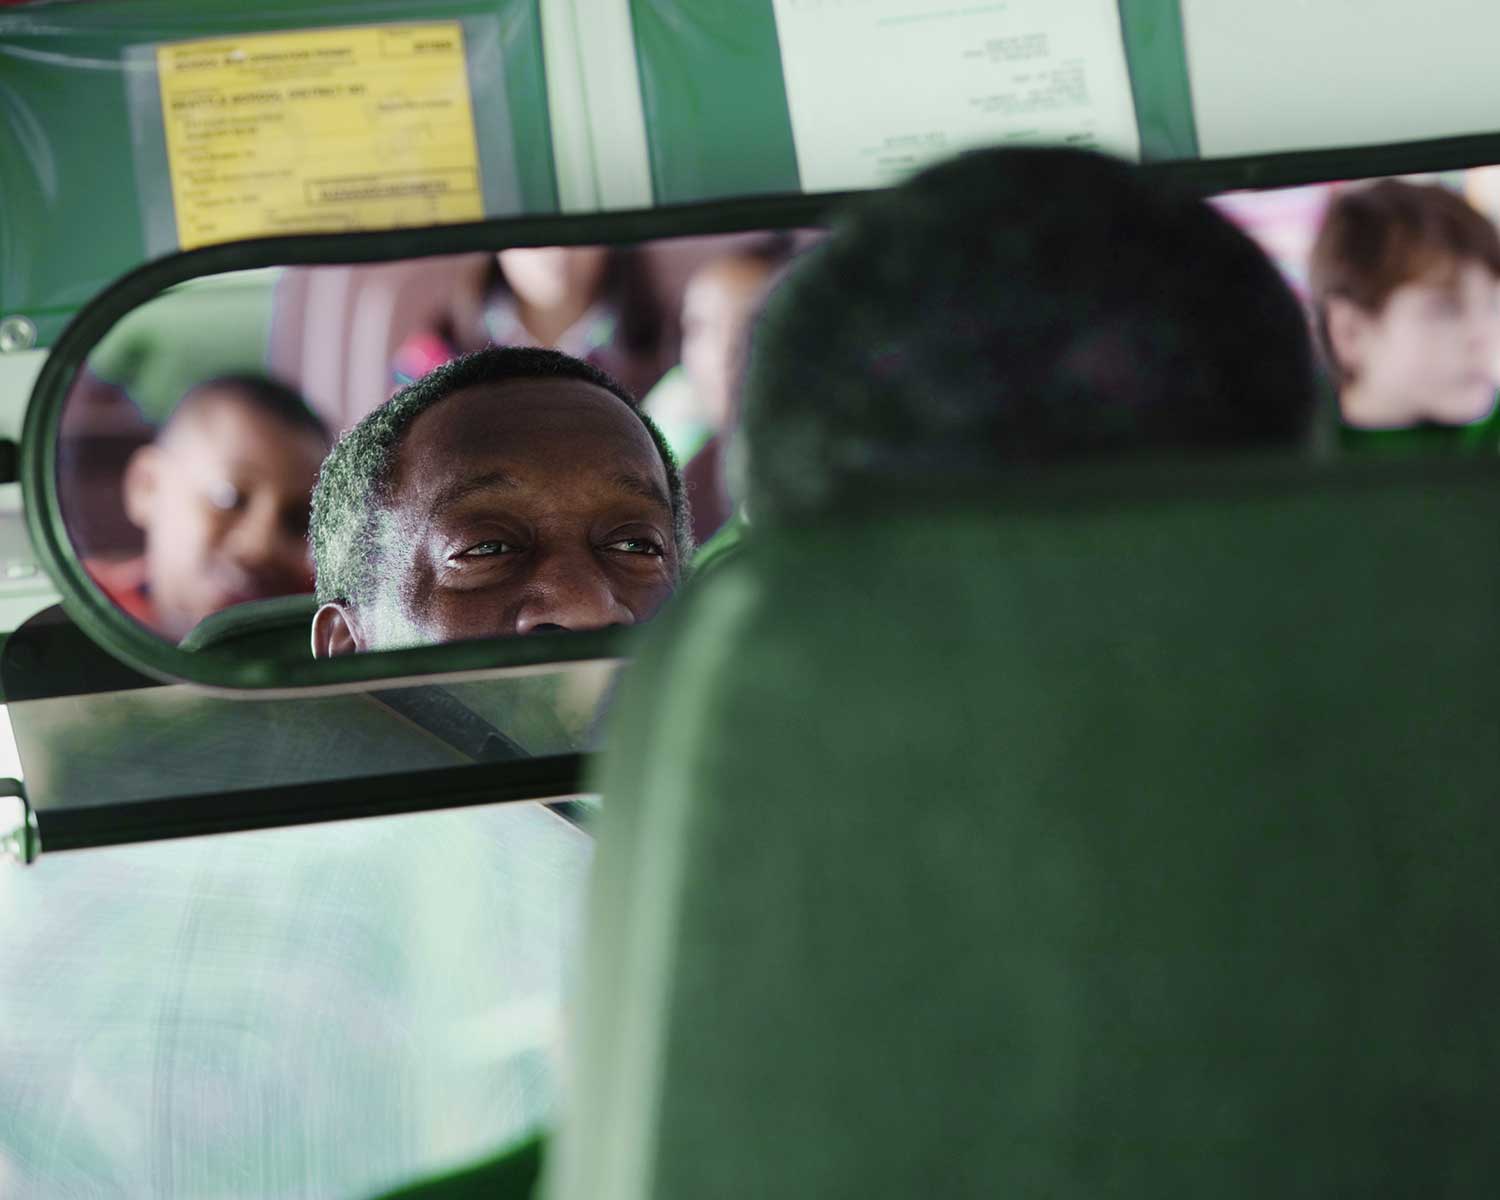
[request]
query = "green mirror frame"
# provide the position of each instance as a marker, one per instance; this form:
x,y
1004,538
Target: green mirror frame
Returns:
x,y
226,672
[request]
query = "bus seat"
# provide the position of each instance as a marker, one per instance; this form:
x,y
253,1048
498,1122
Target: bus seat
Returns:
x,y
509,1175
1125,840
280,627
335,328
48,656
723,545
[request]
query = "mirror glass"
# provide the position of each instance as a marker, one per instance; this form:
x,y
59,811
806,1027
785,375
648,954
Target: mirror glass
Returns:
x,y
190,444
1400,278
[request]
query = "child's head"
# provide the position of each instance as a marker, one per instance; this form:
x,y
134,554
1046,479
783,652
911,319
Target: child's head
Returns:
x,y
1405,285
223,497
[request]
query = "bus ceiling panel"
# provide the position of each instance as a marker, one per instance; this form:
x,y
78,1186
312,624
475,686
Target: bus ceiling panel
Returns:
x,y
154,126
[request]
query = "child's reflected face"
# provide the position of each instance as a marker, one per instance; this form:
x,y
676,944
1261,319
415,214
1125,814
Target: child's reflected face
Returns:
x,y
1431,354
223,499
717,309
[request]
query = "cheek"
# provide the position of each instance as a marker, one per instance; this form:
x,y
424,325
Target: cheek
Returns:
x,y
453,616
645,598
1412,348
193,531
436,614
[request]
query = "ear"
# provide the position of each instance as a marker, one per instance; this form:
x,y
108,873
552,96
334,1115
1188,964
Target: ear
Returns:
x,y
335,631
142,478
1348,331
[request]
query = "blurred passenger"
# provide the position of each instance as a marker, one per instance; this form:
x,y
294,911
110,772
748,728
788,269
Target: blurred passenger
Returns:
x,y
511,491
223,498
1405,282
1017,306
718,305
596,303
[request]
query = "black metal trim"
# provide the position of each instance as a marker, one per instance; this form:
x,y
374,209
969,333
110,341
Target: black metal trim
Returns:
x,y
80,828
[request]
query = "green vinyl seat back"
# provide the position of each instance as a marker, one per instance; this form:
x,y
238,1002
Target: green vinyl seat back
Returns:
x,y
1116,838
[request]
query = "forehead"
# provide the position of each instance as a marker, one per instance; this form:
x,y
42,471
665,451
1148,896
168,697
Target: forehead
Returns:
x,y
1448,275
224,423
531,428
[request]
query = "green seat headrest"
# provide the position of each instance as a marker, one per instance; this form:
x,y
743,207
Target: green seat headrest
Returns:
x,y
1135,839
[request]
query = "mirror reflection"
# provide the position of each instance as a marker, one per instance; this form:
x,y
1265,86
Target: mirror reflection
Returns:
x,y
422,451
1401,280
527,441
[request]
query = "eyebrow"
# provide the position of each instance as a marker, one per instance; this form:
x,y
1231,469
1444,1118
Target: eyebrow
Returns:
x,y
644,487
462,489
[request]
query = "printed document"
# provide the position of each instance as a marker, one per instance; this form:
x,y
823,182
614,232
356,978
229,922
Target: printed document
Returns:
x,y
325,130
878,89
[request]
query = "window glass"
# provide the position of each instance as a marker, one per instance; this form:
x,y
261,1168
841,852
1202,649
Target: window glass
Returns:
x,y
151,743
321,1011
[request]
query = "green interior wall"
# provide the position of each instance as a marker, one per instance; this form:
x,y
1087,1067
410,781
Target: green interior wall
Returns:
x,y
71,220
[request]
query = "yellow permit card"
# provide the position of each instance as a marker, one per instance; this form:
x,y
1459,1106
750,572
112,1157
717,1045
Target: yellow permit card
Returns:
x,y
325,130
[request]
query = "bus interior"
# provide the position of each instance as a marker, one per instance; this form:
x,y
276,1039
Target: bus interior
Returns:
x,y
1118,829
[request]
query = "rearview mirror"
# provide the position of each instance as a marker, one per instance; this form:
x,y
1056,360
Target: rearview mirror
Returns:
x,y
179,425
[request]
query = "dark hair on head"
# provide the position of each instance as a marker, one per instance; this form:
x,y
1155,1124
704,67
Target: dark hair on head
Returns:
x,y
260,392
1017,306
1377,237
353,485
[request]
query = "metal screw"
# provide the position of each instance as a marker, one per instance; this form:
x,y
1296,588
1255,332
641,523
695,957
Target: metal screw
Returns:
x,y
17,333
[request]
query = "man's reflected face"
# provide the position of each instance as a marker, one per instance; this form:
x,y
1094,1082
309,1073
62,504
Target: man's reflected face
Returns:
x,y
521,507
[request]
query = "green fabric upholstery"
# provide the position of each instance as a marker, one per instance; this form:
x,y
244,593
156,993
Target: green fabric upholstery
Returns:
x,y
1125,838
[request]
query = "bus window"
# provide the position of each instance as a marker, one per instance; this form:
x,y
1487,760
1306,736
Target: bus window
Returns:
x,y
328,1010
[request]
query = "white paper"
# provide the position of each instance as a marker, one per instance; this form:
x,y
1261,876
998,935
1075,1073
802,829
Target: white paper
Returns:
x,y
1281,75
594,99
880,88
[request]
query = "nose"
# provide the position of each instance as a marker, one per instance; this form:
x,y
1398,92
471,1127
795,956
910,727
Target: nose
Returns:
x,y
569,591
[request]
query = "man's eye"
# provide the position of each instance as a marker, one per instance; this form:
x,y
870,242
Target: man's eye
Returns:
x,y
635,546
487,550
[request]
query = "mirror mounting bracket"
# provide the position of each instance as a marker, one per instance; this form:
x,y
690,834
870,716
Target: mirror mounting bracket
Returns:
x,y
20,841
